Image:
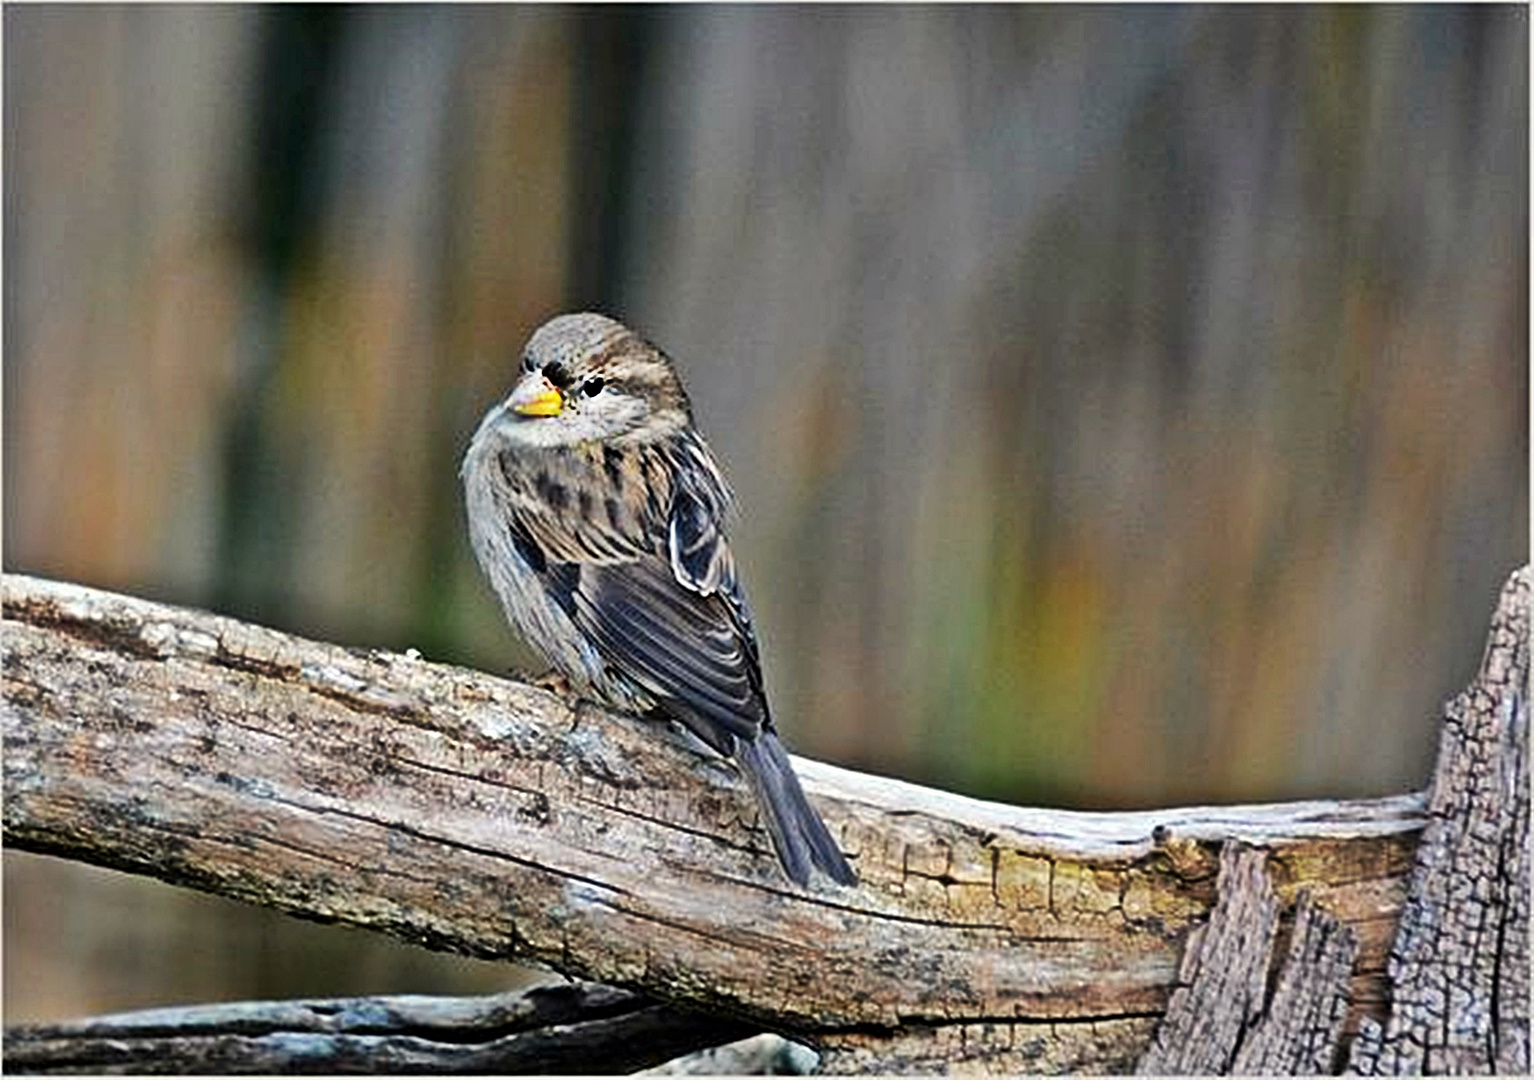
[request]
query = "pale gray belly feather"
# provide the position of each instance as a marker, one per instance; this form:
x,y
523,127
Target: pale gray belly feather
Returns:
x,y
530,608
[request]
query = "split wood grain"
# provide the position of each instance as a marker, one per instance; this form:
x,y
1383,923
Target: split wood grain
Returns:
x,y
1455,996
1458,974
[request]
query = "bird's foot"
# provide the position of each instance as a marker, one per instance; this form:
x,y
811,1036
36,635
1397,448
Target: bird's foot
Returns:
x,y
555,683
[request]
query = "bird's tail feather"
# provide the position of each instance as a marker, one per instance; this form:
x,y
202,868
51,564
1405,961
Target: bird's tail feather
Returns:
x,y
798,835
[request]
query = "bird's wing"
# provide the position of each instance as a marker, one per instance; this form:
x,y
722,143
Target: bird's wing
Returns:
x,y
590,507
655,590
691,651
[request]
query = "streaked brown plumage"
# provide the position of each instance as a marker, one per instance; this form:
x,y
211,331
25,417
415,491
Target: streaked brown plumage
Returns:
x,y
597,511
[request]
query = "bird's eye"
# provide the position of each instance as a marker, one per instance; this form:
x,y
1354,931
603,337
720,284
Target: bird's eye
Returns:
x,y
593,386
555,372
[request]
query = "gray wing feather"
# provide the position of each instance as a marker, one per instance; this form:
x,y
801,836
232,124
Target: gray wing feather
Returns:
x,y
672,617
663,606
683,647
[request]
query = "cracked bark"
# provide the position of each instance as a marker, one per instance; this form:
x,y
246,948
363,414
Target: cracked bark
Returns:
x,y
473,814
1455,996
1223,1020
1459,964
1302,1027
1224,972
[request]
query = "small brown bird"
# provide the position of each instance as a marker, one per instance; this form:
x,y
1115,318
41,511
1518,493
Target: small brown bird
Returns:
x,y
597,511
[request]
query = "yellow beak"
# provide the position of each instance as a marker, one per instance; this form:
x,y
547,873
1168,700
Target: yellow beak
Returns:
x,y
537,397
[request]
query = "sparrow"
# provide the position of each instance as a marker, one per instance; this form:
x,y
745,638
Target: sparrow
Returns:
x,y
597,511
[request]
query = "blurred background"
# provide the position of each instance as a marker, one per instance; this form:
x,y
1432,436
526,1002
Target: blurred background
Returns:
x,y
1127,406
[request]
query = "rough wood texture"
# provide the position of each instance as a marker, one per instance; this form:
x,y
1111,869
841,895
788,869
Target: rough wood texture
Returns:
x,y
1456,998
1229,1017
573,1028
1459,964
469,813
760,1055
1224,973
1300,1033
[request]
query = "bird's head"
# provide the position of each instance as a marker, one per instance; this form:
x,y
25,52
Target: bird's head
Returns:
x,y
586,378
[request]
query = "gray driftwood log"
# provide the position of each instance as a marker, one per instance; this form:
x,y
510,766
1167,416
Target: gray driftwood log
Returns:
x,y
557,1029
469,813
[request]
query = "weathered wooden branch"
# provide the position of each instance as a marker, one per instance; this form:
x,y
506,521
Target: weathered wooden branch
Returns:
x,y
1459,964
760,1055
469,813
1224,1019
558,1029
1457,986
